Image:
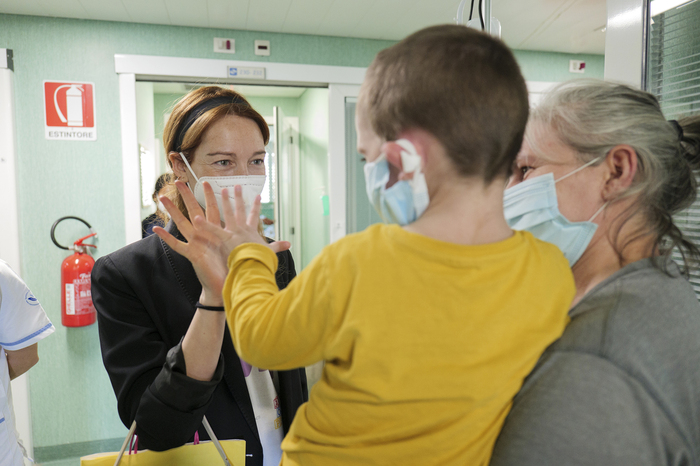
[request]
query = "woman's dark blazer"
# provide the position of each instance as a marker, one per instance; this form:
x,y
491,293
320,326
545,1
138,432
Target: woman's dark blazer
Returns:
x,y
145,295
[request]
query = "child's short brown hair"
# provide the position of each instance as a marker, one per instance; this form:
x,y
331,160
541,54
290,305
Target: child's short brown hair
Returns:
x,y
461,85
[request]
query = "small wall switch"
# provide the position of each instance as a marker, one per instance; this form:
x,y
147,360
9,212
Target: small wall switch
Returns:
x,y
224,45
262,47
576,66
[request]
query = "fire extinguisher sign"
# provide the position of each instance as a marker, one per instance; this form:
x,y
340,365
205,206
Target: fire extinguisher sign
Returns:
x,y
69,108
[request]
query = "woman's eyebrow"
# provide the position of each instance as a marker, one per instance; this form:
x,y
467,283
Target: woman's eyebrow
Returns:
x,y
525,158
533,157
233,154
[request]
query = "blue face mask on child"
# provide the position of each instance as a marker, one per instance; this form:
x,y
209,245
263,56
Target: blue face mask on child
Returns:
x,y
532,206
405,201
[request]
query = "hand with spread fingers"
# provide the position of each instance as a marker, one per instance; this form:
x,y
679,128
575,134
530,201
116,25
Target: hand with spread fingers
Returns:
x,y
208,242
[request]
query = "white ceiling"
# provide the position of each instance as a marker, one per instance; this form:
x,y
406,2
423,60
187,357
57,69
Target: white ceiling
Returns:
x,y
248,91
571,26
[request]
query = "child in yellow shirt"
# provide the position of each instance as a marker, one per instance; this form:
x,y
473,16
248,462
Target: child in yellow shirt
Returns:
x,y
427,328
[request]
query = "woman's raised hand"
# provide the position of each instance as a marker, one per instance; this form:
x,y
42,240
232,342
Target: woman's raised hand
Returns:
x,y
208,243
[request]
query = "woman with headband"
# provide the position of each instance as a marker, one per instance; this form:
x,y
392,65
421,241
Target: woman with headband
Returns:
x,y
163,334
601,174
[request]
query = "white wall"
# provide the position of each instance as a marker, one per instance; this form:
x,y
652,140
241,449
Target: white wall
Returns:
x,y
624,41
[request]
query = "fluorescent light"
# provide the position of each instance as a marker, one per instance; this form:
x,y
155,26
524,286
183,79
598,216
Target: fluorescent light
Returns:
x,y
661,6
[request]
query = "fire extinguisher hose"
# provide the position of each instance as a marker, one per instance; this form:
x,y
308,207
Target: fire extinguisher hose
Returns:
x,y
53,230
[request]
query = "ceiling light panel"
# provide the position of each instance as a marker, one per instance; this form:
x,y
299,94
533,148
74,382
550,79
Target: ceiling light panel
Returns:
x,y
268,15
147,12
187,12
228,14
105,10
343,18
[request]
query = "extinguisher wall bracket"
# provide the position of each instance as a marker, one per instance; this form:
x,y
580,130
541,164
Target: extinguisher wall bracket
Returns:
x,y
78,243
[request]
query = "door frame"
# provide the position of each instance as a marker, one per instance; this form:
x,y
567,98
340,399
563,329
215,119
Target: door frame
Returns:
x,y
337,176
295,167
132,68
291,122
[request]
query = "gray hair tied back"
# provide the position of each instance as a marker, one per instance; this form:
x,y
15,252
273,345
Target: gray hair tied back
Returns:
x,y
592,117
679,129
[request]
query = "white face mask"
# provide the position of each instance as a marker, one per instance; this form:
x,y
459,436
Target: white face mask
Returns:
x,y
252,187
161,207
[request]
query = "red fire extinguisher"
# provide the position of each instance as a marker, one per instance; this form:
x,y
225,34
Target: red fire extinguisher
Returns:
x,y
77,309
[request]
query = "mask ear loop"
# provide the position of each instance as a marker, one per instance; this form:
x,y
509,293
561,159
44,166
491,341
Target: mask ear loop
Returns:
x,y
586,165
578,169
599,211
184,159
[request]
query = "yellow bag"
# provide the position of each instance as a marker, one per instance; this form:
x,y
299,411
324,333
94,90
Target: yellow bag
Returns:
x,y
205,453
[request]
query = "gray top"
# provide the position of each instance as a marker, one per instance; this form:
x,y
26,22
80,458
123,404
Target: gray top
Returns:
x,y
622,385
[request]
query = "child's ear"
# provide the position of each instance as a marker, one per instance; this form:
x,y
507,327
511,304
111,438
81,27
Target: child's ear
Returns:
x,y
393,154
392,150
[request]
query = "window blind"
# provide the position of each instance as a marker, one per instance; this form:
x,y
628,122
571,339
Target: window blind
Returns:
x,y
673,75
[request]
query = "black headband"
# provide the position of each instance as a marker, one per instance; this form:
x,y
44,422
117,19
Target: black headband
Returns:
x,y
679,129
199,110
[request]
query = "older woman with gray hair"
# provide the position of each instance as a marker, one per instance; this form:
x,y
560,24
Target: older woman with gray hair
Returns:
x,y
601,174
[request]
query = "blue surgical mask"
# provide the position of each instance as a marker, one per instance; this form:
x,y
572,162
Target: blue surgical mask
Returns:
x,y
532,206
405,201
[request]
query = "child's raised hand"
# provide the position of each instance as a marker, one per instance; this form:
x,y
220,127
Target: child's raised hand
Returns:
x,y
208,243
240,229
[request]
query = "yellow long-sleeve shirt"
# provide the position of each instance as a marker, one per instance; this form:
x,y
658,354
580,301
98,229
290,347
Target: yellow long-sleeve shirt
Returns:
x,y
425,342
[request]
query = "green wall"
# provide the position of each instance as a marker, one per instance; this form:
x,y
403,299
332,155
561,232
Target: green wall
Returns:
x,y
71,399
162,105
313,142
264,105
554,67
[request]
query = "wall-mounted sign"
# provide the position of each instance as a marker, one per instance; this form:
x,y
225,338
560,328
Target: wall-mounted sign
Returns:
x,y
69,109
576,66
248,72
